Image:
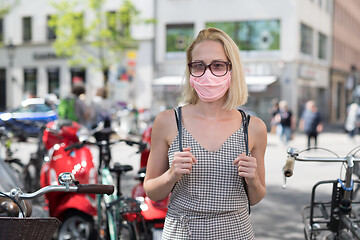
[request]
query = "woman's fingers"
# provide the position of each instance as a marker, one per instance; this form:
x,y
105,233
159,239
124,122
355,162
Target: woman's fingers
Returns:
x,y
246,166
183,162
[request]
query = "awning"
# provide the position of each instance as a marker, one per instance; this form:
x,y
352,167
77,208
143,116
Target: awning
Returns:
x,y
259,83
255,83
168,80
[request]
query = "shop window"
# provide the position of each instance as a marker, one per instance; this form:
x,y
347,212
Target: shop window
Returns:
x,y
50,31
259,35
26,21
78,76
30,78
322,54
178,37
306,45
54,80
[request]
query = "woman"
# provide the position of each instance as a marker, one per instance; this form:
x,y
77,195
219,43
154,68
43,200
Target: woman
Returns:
x,y
208,199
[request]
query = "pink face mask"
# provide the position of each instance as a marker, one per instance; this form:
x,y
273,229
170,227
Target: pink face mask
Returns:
x,y
209,87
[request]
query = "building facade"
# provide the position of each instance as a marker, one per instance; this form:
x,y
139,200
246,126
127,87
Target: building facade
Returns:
x,y
345,65
285,46
31,68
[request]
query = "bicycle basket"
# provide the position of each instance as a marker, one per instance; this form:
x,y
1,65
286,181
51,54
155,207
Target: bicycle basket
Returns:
x,y
28,228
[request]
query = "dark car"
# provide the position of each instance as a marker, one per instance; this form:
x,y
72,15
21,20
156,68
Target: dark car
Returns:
x,y
27,120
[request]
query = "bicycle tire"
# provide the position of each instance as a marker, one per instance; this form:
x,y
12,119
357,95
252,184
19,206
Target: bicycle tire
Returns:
x,y
127,231
356,207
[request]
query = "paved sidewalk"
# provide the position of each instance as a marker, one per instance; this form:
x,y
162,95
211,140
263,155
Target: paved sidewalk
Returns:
x,y
278,215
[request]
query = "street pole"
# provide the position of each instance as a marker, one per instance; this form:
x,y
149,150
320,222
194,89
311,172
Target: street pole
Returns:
x,y
11,55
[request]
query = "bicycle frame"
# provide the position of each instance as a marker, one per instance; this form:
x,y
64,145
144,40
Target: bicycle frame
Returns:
x,y
338,220
116,206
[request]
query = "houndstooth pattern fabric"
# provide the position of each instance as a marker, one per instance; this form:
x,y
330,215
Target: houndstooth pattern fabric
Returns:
x,y
210,202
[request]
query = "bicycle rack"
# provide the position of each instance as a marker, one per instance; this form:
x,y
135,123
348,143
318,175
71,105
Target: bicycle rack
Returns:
x,y
321,216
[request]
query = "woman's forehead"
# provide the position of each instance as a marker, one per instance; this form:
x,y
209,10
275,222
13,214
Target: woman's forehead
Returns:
x,y
208,50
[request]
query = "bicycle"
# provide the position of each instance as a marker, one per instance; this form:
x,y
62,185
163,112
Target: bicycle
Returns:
x,y
6,139
119,216
335,219
23,227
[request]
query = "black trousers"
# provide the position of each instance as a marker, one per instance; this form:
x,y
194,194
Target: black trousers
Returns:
x,y
311,135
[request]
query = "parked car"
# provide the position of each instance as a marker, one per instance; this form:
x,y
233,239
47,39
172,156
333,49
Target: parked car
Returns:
x,y
26,120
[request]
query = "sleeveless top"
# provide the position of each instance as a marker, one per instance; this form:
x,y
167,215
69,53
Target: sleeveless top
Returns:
x,y
210,202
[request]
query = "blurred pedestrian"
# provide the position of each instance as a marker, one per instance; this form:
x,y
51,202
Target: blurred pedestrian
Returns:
x,y
101,108
352,120
311,122
73,107
285,123
273,112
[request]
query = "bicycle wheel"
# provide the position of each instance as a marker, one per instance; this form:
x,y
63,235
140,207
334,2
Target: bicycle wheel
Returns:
x,y
355,211
77,226
127,231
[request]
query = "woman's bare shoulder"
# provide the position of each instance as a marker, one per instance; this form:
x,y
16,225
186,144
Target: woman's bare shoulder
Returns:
x,y
165,124
257,127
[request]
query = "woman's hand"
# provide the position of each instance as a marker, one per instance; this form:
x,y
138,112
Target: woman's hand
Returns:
x,y
247,167
182,164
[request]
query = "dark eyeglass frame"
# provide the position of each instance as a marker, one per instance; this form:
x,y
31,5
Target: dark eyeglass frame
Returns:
x,y
228,67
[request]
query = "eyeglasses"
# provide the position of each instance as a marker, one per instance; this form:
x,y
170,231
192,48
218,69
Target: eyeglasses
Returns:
x,y
217,68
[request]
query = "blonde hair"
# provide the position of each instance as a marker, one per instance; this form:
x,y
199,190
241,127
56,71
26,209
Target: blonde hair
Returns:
x,y
238,93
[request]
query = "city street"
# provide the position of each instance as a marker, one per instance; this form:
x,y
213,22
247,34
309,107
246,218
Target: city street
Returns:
x,y
278,215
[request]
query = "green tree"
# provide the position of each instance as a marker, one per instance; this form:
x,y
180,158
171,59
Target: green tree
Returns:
x,y
100,40
5,8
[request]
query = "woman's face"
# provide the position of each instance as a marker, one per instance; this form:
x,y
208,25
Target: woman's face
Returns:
x,y
209,51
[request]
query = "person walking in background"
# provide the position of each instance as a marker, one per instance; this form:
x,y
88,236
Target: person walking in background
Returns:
x,y
273,112
352,123
311,122
198,151
74,107
285,123
101,108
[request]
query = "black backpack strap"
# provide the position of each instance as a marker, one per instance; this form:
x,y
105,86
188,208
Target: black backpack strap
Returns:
x,y
245,122
179,126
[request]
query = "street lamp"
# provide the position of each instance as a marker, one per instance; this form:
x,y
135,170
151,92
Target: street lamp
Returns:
x,y
11,53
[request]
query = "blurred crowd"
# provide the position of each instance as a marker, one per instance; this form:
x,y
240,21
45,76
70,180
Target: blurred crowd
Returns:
x,y
284,124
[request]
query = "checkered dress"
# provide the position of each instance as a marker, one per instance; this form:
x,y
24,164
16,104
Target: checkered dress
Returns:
x,y
210,202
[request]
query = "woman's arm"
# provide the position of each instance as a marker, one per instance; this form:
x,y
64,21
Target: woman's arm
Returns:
x,y
252,168
160,179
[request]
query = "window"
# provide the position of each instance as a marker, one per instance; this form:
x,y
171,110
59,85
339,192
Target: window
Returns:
x,y
306,39
30,77
260,35
50,30
78,75
79,26
1,30
54,80
26,21
322,54
2,89
111,21
178,37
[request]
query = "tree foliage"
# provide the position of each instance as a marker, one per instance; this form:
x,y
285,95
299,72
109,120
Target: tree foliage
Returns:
x,y
6,6
98,38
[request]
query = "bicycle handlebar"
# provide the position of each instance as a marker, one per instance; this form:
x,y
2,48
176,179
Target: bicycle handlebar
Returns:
x,y
103,143
80,188
293,155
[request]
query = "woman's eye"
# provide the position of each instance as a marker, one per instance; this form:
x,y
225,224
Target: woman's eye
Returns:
x,y
198,66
